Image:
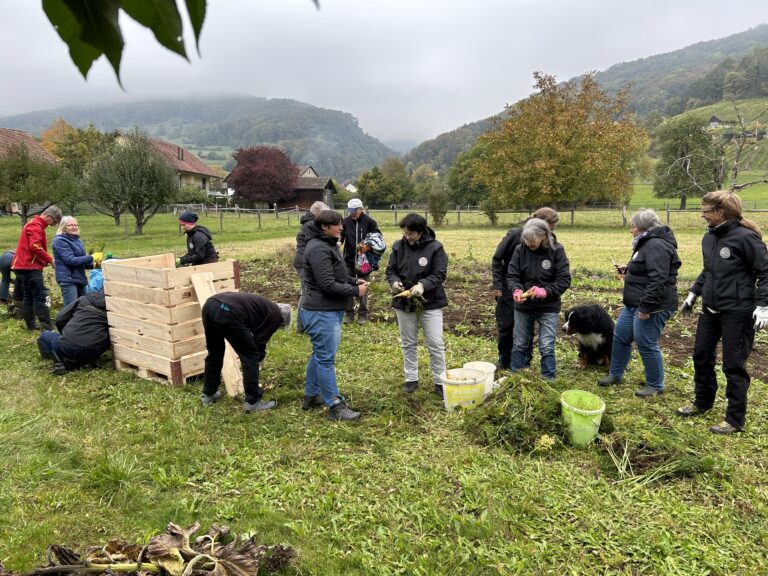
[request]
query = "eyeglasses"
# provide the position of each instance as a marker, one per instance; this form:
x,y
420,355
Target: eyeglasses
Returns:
x,y
707,210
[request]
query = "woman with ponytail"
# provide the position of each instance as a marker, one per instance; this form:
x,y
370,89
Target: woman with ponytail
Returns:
x,y
733,287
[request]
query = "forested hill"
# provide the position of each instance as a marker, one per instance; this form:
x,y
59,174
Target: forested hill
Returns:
x,y
331,141
440,152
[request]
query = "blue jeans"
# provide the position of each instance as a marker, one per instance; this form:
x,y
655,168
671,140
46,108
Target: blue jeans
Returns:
x,y
50,341
324,330
645,334
523,336
70,292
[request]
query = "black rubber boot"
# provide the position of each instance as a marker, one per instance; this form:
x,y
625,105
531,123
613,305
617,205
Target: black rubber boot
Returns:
x,y
44,317
58,364
28,314
16,309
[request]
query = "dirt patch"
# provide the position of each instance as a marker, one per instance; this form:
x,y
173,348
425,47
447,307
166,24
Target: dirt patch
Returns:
x,y
471,306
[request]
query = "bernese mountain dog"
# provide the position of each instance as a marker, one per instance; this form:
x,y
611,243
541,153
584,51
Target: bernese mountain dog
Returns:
x,y
593,327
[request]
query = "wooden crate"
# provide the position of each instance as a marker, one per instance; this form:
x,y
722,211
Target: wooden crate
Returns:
x,y
154,315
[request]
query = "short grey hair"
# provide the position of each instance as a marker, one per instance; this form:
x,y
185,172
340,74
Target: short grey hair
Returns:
x,y
536,228
63,224
54,212
645,219
317,207
285,313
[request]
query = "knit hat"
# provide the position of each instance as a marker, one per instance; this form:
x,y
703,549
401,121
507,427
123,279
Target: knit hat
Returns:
x,y
188,217
285,312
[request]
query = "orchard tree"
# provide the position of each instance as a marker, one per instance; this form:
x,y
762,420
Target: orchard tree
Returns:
x,y
465,187
569,142
437,201
379,190
132,176
422,180
263,174
28,180
691,160
398,182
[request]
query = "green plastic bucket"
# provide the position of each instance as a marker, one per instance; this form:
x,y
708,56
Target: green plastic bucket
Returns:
x,y
582,412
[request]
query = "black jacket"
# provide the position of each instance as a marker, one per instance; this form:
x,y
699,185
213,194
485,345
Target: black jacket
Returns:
x,y
501,258
200,249
735,274
425,262
650,280
354,232
84,323
546,268
301,241
261,316
327,284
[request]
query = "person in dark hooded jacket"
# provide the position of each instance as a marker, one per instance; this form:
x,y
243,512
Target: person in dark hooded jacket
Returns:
x,y
418,263
298,259
200,248
82,336
650,300
357,225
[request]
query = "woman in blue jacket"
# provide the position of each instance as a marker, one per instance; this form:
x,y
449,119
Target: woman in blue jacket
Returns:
x,y
71,260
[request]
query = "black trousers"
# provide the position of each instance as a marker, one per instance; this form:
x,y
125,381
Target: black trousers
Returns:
x,y
736,330
505,324
220,325
33,288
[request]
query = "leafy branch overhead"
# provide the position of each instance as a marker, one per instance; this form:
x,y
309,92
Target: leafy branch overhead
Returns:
x,y
92,29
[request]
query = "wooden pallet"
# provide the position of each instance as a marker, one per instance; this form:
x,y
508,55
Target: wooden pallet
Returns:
x,y
153,367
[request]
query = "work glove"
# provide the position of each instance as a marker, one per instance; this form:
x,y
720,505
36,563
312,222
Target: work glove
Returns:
x,y
108,256
417,290
687,306
178,261
538,292
761,317
517,296
98,257
397,287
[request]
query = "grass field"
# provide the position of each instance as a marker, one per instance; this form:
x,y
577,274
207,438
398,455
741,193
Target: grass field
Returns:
x,y
410,489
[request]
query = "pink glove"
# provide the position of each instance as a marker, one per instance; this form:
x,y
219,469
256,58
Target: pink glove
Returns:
x,y
538,292
516,295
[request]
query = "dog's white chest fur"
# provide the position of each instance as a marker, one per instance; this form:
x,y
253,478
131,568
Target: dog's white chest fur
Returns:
x,y
591,340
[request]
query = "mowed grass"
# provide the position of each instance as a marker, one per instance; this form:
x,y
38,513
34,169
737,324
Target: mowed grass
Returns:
x,y
98,454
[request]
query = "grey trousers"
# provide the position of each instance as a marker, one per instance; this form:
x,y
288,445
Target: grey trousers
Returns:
x,y
432,325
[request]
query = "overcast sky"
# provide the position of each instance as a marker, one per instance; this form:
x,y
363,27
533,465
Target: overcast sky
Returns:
x,y
407,69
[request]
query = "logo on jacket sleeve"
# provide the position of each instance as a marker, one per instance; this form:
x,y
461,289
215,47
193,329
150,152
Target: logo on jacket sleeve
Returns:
x,y
725,252
546,264
423,261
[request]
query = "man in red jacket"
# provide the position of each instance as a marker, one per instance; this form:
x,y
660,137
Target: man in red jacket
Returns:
x,y
28,263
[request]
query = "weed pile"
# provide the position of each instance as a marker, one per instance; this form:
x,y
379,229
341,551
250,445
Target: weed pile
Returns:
x,y
523,415
217,553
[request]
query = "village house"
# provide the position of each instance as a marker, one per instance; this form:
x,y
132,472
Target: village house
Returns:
x,y
310,187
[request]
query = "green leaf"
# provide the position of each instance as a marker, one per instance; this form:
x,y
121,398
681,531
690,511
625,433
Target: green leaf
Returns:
x,y
162,17
99,27
69,29
196,11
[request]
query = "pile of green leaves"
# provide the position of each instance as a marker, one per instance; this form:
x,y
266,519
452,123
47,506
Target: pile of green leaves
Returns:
x,y
217,553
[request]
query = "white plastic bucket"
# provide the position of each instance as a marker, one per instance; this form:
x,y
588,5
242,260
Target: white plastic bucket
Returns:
x,y
462,387
487,368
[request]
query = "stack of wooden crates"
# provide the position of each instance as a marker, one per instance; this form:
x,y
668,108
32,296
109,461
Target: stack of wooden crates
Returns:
x,y
154,315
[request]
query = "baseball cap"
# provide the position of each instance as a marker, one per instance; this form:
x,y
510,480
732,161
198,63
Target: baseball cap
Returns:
x,y
354,204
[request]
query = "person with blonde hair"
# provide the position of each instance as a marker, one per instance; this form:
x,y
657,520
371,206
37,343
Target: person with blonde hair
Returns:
x,y
733,287
505,306
72,260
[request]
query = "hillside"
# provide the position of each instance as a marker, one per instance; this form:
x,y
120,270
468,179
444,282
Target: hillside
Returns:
x,y
440,152
330,140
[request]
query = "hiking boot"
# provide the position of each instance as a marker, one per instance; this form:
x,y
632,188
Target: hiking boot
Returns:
x,y
58,369
502,365
410,386
724,428
362,320
312,401
609,380
208,400
648,391
439,390
340,411
259,405
690,410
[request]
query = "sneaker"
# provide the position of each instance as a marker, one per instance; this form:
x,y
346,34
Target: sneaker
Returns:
x,y
259,405
690,410
439,390
648,391
609,380
312,401
207,400
340,411
362,320
724,428
410,386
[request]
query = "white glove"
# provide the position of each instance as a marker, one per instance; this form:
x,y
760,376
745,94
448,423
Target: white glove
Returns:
x,y
417,290
761,317
397,287
687,306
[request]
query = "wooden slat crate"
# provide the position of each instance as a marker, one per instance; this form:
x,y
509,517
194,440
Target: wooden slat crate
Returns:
x,y
154,315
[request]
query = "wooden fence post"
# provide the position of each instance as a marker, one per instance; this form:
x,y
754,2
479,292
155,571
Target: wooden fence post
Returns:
x,y
395,216
667,214
624,215
258,214
458,215
573,211
221,220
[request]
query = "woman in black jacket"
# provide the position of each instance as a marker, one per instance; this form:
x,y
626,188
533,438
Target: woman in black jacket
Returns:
x,y
650,299
327,288
418,263
733,287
